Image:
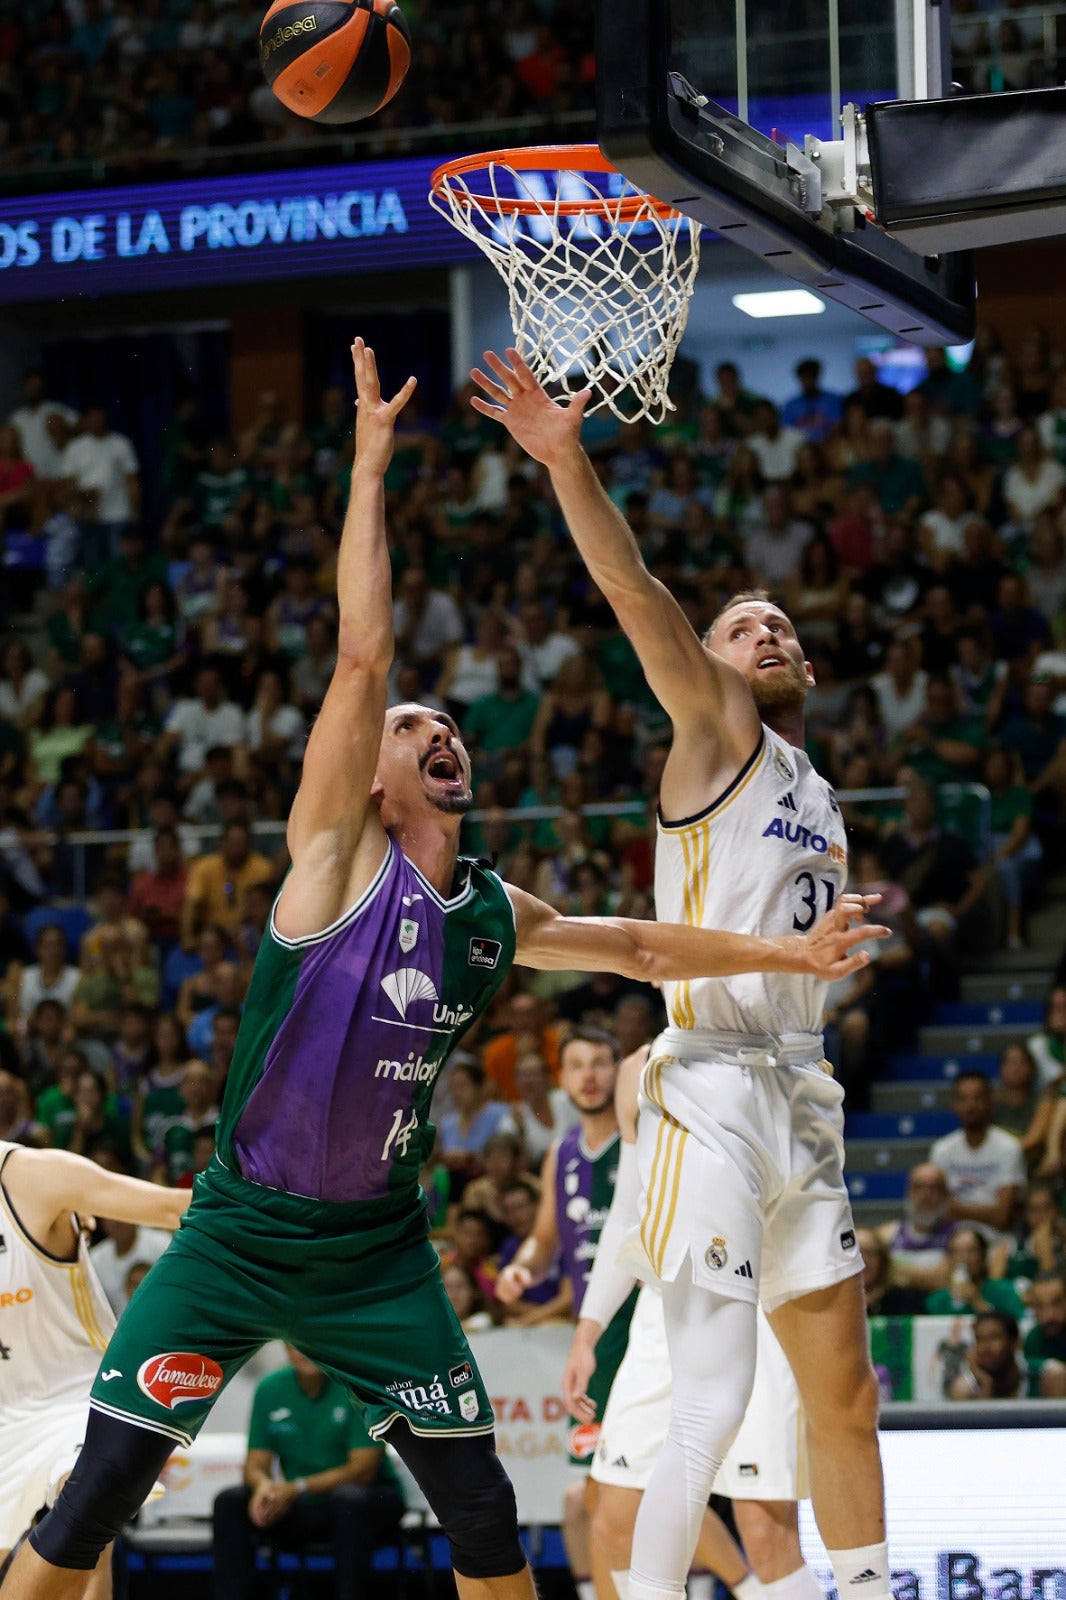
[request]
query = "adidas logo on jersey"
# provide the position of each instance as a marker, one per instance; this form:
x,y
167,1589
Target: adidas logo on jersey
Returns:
x,y
743,1271
620,1461
867,1575
788,802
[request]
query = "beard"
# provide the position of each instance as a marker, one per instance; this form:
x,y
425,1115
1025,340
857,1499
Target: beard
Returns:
x,y
774,692
452,805
593,1110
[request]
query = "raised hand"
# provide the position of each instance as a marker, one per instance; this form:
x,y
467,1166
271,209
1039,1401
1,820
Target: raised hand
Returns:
x,y
375,418
826,949
544,429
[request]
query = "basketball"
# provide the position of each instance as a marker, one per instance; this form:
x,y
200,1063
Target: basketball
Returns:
x,y
334,60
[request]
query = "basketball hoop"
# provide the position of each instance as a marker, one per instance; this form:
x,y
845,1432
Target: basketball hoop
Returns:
x,y
599,276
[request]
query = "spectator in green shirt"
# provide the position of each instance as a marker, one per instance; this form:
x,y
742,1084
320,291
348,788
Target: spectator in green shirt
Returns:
x,y
1047,1341
898,482
971,1289
115,588
1016,848
312,1474
941,745
504,720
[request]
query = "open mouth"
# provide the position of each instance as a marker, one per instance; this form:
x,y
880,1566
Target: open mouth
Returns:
x,y
770,661
443,768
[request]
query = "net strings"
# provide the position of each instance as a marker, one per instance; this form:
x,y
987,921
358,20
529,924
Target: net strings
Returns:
x,y
597,300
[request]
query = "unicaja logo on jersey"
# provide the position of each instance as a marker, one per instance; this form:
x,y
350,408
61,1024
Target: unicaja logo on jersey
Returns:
x,y
179,1376
407,985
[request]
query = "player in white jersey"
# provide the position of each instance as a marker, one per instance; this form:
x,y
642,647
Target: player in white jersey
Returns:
x,y
740,1143
765,1471
55,1320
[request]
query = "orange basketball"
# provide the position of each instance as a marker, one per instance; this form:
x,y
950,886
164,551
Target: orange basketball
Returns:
x,y
334,60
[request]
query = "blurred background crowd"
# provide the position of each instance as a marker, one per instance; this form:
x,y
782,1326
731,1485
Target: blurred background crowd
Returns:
x,y
133,89
159,674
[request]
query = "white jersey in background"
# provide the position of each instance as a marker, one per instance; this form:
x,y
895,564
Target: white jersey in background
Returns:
x,y
769,857
55,1323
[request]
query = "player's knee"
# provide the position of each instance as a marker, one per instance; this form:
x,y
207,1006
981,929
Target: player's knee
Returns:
x,y
851,1407
769,1531
612,1525
112,1477
92,1510
575,1505
473,1501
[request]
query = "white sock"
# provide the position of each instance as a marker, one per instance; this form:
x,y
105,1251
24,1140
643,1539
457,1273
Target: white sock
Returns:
x,y
621,1583
701,1586
586,1588
798,1585
749,1588
863,1572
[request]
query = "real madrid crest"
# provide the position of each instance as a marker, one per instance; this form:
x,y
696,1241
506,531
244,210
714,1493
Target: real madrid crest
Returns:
x,y
782,768
716,1255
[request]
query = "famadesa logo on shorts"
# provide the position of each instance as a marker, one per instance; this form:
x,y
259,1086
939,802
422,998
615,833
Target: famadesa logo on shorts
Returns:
x,y
179,1376
583,1440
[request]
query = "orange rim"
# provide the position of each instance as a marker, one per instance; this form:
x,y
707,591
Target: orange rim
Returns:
x,y
545,158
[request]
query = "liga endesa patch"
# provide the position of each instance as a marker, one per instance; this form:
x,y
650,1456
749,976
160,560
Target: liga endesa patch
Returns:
x,y
179,1376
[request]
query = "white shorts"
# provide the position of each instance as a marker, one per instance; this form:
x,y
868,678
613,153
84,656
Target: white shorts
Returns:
x,y
36,1453
741,1160
768,1457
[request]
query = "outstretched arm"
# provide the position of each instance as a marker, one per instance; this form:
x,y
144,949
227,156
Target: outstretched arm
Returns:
x,y
47,1185
334,836
702,695
653,952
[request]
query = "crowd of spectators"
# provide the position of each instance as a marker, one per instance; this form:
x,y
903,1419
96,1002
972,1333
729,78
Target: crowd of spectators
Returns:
x,y
108,82
158,682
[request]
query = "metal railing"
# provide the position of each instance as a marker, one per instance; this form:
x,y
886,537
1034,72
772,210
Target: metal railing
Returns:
x,y
272,834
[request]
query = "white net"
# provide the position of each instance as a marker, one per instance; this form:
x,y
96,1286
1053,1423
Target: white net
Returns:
x,y
599,296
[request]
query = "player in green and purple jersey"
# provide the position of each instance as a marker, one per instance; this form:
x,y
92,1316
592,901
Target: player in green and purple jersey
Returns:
x,y
310,1227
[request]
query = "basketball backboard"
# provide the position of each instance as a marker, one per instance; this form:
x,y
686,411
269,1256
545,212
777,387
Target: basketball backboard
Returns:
x,y
707,104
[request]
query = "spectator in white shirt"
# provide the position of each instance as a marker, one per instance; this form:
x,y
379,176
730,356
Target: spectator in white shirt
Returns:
x,y
426,621
776,448
773,549
940,531
276,730
31,421
23,687
50,977
984,1165
195,725
900,688
103,465
1034,483
545,648
125,1246
543,1114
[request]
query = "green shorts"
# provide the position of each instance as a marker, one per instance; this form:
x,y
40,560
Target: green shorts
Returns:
x,y
584,1437
366,1303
